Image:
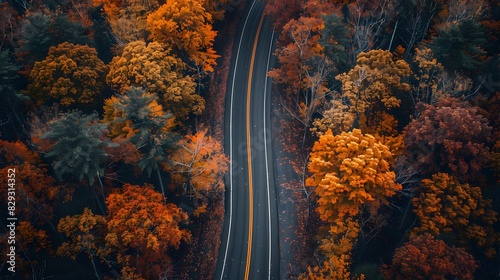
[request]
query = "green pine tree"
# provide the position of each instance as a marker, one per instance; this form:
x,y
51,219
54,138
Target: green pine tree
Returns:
x,y
152,137
459,47
79,149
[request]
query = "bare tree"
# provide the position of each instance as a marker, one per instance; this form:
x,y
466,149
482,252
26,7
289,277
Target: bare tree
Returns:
x,y
367,20
420,20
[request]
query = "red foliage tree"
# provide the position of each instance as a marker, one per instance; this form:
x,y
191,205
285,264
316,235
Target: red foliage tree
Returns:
x,y
283,11
17,152
449,137
423,257
36,192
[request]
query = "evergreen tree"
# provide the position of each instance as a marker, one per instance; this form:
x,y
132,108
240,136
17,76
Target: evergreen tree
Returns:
x,y
459,47
79,146
40,31
136,117
334,39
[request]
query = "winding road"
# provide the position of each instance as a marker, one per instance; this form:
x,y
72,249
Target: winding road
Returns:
x,y
249,245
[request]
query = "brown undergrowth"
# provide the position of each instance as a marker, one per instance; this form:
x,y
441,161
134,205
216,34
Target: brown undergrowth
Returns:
x,y
200,259
298,219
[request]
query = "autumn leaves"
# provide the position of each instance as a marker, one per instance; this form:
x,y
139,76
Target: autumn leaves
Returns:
x,y
114,87
390,121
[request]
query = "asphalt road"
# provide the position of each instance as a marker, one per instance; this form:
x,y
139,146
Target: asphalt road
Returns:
x,y
249,245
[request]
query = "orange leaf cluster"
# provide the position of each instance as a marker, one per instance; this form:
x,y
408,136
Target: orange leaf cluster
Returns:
x,y
140,220
350,170
16,153
198,164
185,25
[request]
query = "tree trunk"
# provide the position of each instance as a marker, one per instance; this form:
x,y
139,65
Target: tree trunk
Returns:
x,y
161,181
102,188
95,269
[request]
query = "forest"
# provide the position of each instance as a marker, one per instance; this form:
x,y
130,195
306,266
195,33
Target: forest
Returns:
x,y
117,174
388,114
390,119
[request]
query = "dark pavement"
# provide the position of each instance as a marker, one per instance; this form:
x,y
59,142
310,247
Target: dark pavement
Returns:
x,y
249,245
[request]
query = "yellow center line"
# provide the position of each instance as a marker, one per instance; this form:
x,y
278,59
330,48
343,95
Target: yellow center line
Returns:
x,y
249,153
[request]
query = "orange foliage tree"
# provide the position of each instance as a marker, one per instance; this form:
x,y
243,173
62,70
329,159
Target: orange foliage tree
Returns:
x,y
154,69
349,170
34,248
36,191
447,207
301,43
185,25
198,164
424,257
17,153
128,18
70,74
142,228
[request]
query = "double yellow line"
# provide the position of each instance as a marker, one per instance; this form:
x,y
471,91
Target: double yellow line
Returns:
x,y
249,153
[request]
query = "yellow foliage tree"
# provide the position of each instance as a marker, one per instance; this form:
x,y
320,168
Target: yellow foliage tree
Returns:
x,y
349,170
448,207
336,118
70,74
186,26
337,248
156,70
86,233
372,84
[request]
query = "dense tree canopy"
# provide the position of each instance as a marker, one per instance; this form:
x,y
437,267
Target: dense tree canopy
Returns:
x,y
142,228
70,75
156,70
86,235
79,143
349,170
424,257
448,208
198,164
186,26
374,81
44,29
451,136
459,46
127,18
386,136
